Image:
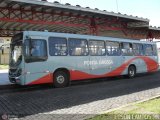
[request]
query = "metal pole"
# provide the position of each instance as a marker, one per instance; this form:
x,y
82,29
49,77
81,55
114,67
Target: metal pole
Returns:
x,y
117,5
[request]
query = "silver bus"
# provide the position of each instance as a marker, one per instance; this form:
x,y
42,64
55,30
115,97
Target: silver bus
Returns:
x,y
58,58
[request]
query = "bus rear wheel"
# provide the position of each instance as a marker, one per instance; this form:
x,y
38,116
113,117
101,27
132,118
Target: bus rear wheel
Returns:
x,y
61,79
131,71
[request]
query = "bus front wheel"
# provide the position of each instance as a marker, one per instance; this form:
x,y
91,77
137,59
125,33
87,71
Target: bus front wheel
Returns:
x,y
61,79
131,71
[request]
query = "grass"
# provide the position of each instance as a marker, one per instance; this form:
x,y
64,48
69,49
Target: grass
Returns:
x,y
149,110
2,66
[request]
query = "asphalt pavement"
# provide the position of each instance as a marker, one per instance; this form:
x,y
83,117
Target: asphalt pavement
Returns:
x,y
81,100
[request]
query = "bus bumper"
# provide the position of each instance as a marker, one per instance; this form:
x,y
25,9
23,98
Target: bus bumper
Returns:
x,y
15,80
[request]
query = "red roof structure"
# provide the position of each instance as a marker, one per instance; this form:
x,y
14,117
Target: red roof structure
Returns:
x,y
20,15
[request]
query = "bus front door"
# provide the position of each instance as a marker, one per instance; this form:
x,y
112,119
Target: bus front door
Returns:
x,y
37,73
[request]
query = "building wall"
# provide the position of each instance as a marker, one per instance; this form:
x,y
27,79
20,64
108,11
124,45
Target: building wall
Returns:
x,y
4,51
4,59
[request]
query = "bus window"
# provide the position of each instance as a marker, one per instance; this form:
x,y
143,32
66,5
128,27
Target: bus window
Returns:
x,y
78,47
135,50
38,48
97,48
127,49
113,48
138,49
35,50
57,46
154,50
148,50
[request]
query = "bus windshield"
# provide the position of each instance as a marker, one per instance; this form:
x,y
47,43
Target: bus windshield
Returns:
x,y
16,52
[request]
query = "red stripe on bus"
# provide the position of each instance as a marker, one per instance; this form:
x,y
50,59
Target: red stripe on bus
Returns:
x,y
45,79
150,64
76,74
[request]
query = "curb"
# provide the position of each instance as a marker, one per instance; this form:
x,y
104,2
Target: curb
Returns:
x,y
129,104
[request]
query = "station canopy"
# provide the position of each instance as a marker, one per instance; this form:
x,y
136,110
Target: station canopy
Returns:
x,y
21,15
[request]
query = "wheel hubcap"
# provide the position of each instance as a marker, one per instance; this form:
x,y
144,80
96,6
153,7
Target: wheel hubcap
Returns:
x,y
131,72
60,79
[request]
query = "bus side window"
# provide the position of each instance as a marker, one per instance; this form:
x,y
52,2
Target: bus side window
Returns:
x,y
148,50
138,49
135,50
78,47
154,50
127,49
97,48
113,48
58,46
38,48
141,49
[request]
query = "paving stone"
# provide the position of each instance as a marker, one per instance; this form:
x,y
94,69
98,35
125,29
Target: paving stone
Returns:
x,y
79,101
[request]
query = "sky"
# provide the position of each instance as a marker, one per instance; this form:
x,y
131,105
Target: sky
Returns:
x,y
142,8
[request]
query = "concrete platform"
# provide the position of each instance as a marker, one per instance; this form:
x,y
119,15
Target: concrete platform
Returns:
x,y
4,77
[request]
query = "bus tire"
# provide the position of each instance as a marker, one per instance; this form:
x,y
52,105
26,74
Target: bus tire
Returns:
x,y
61,79
131,71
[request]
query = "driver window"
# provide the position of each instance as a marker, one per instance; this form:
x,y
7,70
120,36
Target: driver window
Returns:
x,y
38,48
35,50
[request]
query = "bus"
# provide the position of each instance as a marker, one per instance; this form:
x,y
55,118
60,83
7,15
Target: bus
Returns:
x,y
49,57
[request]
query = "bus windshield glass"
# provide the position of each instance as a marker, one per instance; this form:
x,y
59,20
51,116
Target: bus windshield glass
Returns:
x,y
16,50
